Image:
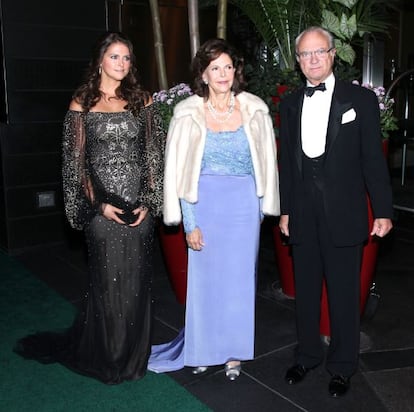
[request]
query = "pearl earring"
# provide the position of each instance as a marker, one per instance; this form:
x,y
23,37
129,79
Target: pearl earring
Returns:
x,y
100,70
205,81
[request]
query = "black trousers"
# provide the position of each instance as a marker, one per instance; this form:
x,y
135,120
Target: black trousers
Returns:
x,y
315,258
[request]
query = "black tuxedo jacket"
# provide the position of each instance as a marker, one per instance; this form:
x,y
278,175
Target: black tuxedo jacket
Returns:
x,y
354,165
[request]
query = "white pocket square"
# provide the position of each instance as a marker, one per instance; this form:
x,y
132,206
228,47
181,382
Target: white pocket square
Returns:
x,y
348,116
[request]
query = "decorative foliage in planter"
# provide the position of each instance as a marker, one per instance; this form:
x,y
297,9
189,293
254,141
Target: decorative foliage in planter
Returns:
x,y
350,20
167,99
263,79
386,106
172,238
280,21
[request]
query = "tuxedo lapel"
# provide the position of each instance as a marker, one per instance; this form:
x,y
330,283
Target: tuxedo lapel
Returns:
x,y
295,115
338,108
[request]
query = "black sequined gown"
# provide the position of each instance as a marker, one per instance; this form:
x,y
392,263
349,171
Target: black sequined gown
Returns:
x,y
109,158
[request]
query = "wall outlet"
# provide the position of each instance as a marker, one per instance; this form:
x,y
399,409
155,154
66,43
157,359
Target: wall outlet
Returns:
x,y
46,199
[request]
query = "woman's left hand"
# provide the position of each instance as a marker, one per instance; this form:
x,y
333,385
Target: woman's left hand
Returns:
x,y
141,213
195,239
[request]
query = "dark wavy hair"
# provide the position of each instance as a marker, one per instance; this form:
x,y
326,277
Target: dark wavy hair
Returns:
x,y
209,51
88,93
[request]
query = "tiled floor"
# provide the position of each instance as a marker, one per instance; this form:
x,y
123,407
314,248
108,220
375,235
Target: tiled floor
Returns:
x,y
384,382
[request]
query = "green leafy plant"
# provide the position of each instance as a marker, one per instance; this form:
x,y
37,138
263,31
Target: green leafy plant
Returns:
x,y
350,20
265,78
280,21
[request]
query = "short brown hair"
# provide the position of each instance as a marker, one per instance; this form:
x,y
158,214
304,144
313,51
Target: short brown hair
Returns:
x,y
210,51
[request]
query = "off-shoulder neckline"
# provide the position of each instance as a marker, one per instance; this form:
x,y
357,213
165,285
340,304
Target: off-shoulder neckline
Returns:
x,y
91,111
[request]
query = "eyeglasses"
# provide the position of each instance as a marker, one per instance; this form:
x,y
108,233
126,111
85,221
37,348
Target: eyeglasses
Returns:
x,y
320,54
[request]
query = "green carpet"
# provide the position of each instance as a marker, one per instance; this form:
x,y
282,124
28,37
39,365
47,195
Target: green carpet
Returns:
x,y
27,305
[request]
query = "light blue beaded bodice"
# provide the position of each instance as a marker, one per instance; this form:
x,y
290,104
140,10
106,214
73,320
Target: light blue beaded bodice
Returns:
x,y
225,154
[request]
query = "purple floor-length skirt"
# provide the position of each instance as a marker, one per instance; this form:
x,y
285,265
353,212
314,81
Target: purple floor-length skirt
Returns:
x,y
220,308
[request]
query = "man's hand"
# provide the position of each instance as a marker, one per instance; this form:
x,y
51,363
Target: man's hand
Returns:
x,y
381,227
284,225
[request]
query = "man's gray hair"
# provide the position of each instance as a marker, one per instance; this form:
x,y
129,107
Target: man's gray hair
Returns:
x,y
316,29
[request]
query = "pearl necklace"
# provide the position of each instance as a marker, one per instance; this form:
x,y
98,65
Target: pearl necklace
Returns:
x,y
215,114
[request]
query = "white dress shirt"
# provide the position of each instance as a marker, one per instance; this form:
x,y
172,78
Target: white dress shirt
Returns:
x,y
315,116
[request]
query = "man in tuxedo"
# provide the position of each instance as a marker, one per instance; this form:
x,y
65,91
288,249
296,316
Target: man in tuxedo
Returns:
x,y
330,157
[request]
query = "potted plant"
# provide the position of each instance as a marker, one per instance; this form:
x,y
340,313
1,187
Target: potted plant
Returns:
x,y
386,106
280,21
172,238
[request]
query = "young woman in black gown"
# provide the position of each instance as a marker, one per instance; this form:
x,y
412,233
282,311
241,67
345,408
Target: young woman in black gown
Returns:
x,y
112,182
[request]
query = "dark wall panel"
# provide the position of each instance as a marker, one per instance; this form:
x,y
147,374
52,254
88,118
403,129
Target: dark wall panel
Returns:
x,y
46,53
23,201
45,49
49,40
38,106
74,13
30,138
38,168
45,74
33,231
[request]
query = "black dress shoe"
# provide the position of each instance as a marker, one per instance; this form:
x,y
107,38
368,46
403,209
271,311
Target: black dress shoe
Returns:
x,y
339,385
296,374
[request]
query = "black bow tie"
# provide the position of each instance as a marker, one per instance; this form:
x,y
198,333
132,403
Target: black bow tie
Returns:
x,y
309,90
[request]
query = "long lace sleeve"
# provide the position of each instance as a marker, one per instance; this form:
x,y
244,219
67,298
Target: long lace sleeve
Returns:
x,y
151,194
76,190
189,220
